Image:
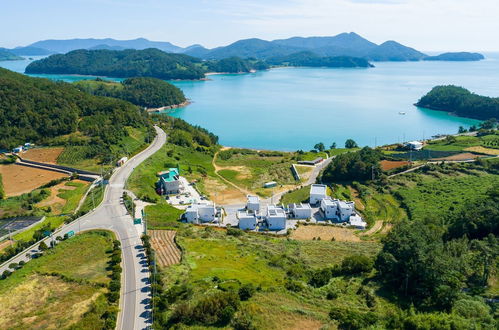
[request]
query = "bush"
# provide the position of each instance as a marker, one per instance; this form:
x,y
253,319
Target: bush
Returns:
x,y
246,291
348,318
234,232
294,286
178,292
320,277
113,296
243,321
356,264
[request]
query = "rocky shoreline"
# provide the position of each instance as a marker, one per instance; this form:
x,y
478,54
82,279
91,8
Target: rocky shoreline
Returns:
x,y
170,107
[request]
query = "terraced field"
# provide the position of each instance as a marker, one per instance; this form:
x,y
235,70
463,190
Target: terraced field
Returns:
x,y
167,251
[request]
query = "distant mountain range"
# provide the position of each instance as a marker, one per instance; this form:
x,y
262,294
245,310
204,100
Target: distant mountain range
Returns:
x,y
344,44
7,55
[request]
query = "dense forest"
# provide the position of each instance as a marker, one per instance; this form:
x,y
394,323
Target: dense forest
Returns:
x,y
44,112
126,63
143,91
310,59
353,166
235,65
459,56
461,102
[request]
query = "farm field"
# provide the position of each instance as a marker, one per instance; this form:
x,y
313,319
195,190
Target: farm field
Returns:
x,y
387,165
44,155
61,289
461,156
18,180
327,233
483,150
163,242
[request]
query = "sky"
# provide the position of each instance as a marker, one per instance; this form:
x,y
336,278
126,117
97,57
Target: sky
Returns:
x,y
427,25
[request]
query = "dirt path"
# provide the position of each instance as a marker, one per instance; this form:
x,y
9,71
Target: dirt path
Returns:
x,y
374,229
218,168
163,242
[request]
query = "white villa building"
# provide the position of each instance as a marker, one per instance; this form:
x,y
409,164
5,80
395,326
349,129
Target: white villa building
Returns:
x,y
345,210
247,220
301,211
414,145
329,208
200,212
317,193
253,203
169,182
276,218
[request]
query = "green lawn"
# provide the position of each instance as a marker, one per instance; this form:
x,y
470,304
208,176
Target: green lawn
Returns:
x,y
463,142
61,289
162,216
301,195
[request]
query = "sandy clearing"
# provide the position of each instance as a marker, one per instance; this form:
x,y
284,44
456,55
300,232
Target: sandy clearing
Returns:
x,y
307,233
44,155
54,201
5,244
463,156
221,193
18,180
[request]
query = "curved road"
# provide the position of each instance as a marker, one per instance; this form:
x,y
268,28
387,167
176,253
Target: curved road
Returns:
x,y
111,215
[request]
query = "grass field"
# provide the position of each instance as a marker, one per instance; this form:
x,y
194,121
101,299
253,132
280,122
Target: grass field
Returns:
x,y
73,196
439,195
162,216
300,195
94,198
461,143
252,170
213,259
61,289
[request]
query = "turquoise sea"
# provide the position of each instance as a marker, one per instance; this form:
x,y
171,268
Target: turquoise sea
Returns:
x,y
294,108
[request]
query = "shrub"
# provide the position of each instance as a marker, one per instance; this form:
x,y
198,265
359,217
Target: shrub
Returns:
x,y
348,318
320,277
246,291
356,264
178,292
234,232
243,321
294,286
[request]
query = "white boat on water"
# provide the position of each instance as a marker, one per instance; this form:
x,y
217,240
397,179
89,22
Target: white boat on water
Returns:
x,y
401,113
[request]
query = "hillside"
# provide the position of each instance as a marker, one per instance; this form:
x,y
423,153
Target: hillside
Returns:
x,y
144,92
310,59
123,64
461,102
393,51
344,44
7,55
460,56
46,112
30,51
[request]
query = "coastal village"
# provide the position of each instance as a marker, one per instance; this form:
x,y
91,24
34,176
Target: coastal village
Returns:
x,y
258,215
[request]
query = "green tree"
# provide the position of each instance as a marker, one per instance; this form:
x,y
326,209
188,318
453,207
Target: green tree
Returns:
x,y
320,147
333,146
350,144
462,130
2,191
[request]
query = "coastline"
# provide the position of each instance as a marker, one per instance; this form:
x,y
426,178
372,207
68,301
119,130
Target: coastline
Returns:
x,y
170,107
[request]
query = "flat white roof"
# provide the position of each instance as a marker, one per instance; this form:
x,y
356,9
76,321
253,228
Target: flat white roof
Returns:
x,y
245,214
302,206
197,206
253,199
273,210
345,204
318,189
329,201
356,220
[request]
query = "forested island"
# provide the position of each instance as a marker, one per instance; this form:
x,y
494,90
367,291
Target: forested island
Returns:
x,y
138,63
143,91
461,102
456,57
45,112
310,59
6,55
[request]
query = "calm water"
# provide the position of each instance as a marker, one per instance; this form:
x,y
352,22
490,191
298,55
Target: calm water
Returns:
x,y
294,108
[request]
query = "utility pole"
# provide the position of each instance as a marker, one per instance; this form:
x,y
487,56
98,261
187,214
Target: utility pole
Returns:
x,y
93,201
372,172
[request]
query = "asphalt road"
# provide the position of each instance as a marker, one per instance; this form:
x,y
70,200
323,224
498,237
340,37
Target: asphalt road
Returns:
x,y
111,215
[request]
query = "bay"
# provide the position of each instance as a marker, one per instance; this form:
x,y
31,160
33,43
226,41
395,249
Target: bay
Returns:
x,y
295,108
